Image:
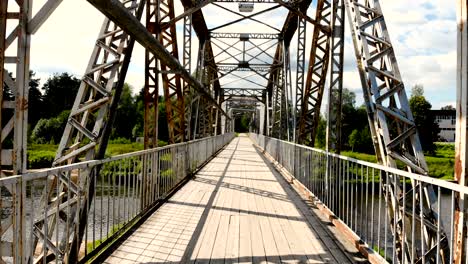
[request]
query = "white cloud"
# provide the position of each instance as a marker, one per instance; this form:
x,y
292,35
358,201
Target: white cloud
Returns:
x,y
423,34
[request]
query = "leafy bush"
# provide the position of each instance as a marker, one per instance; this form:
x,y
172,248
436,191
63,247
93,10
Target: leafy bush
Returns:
x,y
50,130
40,159
120,140
121,148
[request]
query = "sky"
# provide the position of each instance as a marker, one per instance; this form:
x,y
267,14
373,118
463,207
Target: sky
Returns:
x,y
423,34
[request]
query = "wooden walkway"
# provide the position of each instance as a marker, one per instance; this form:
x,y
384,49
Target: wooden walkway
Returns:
x,y
238,209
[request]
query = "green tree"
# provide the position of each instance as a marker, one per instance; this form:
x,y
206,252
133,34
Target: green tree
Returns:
x,y
447,107
360,140
126,116
425,122
35,104
59,94
354,139
320,137
138,128
50,130
351,117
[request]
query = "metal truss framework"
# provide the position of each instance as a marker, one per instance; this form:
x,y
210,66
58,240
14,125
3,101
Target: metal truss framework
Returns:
x,y
193,103
14,97
160,13
393,128
311,99
257,94
461,146
333,136
88,128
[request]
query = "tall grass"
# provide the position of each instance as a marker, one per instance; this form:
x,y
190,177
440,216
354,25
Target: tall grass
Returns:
x,y
440,164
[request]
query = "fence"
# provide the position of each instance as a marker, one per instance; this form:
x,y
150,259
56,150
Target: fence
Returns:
x,y
360,193
125,187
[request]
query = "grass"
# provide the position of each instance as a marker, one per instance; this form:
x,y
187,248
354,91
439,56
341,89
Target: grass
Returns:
x,y
440,164
90,246
42,155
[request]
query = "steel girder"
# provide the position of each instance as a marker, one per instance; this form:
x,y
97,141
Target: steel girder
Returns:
x,y
161,12
244,35
228,68
279,118
14,103
461,146
14,77
15,82
392,126
286,35
300,70
186,60
88,128
243,93
205,114
311,100
333,133
151,89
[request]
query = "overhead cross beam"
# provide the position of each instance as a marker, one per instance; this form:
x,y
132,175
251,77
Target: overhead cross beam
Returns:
x,y
115,11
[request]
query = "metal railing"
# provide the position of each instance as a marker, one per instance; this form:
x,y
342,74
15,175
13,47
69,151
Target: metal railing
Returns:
x,y
354,191
126,187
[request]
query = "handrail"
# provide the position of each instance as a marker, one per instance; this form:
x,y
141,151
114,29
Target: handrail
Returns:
x,y
127,187
356,194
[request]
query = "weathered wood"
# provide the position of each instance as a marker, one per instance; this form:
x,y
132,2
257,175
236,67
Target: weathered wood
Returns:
x,y
238,209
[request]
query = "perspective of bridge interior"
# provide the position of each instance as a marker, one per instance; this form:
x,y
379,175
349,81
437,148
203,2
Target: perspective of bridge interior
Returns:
x,y
212,195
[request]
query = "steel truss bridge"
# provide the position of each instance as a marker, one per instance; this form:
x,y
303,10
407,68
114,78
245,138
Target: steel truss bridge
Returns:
x,y
208,76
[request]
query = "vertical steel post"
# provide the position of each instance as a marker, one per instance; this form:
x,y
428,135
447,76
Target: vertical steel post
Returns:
x,y
333,134
186,61
3,72
151,89
309,115
162,12
461,146
14,104
392,125
300,70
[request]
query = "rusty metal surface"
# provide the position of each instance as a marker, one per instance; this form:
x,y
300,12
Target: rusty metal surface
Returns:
x,y
161,12
126,187
97,96
333,133
309,115
393,129
461,146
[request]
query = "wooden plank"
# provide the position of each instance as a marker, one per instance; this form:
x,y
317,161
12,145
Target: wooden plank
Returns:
x,y
232,247
211,227
279,237
258,249
302,233
253,218
269,244
134,248
245,248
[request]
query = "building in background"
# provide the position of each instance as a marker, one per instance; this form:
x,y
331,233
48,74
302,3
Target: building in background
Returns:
x,y
446,120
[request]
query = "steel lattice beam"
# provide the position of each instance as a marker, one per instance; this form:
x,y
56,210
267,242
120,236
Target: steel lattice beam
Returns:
x,y
244,35
333,136
97,96
392,126
461,146
300,71
161,12
14,103
117,12
309,115
14,98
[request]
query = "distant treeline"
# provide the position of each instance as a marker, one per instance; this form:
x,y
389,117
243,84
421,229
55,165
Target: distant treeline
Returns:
x,y
50,105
